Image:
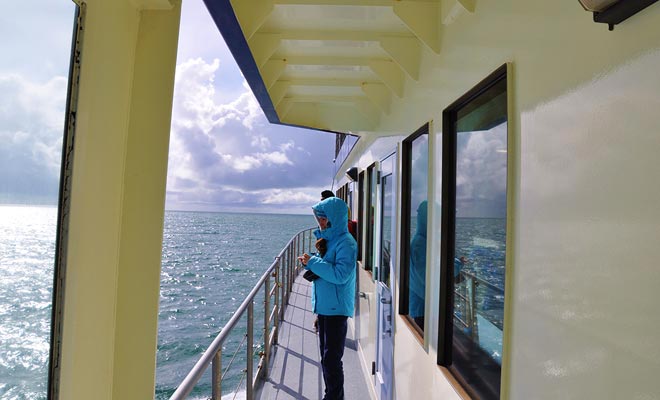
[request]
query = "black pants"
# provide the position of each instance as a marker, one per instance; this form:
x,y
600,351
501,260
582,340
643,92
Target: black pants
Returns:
x,y
332,338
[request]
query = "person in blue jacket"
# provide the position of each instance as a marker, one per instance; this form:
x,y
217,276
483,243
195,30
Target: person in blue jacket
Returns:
x,y
417,275
333,293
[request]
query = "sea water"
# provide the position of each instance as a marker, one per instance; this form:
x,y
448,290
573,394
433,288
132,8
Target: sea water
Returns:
x,y
210,262
27,251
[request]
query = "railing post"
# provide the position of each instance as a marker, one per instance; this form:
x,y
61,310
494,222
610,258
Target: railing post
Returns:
x,y
473,312
292,263
216,376
278,293
288,274
299,250
266,326
309,232
250,350
285,275
282,270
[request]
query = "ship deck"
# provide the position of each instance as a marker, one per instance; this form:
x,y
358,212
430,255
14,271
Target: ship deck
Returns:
x,y
295,370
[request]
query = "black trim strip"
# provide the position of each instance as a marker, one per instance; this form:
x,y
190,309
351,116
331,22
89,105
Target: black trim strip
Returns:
x,y
64,204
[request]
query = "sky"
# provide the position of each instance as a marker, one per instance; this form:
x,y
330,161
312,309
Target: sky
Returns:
x,y
224,154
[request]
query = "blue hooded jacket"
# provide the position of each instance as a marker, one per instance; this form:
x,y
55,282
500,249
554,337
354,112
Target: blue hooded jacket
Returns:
x,y
334,292
417,276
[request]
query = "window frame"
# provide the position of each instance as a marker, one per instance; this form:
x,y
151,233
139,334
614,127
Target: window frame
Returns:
x,y
371,176
360,214
406,185
448,228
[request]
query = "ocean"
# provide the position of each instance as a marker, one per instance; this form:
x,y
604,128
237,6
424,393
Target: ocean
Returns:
x,y
210,261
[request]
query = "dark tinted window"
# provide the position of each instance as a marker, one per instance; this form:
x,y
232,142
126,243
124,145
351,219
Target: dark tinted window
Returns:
x,y
415,222
474,265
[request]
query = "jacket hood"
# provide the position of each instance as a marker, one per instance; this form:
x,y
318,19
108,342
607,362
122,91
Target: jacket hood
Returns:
x,y
336,211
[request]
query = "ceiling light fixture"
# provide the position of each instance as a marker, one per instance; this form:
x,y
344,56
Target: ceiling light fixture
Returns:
x,y
613,12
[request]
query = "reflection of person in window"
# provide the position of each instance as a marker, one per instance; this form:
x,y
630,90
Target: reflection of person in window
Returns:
x,y
417,274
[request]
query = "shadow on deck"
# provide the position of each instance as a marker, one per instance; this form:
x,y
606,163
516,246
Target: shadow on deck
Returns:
x,y
295,370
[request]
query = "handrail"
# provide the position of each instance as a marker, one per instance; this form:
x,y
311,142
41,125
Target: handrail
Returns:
x,y
467,295
481,280
212,352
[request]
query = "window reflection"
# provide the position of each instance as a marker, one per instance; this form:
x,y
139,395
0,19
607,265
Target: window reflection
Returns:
x,y
417,274
371,208
416,174
480,239
387,234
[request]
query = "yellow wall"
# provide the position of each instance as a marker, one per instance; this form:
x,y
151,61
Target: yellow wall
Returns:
x,y
118,193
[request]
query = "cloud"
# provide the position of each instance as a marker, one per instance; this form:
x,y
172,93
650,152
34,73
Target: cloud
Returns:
x,y
291,197
227,155
31,130
419,171
481,173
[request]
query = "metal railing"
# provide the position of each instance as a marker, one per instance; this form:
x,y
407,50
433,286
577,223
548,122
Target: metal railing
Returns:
x,y
465,301
284,270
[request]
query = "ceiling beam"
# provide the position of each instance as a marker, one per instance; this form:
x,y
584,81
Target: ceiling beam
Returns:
x,y
353,36
452,9
390,73
370,111
263,45
379,94
407,52
271,71
278,90
421,17
252,14
327,82
324,60
357,3
283,108
145,5
324,99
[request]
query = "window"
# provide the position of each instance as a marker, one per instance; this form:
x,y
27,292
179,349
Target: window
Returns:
x,y
387,233
474,236
371,209
414,227
360,215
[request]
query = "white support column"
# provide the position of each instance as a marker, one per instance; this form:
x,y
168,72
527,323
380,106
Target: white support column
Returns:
x,y
112,285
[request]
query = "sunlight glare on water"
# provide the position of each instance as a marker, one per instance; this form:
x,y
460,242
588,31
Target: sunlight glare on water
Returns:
x,y
27,253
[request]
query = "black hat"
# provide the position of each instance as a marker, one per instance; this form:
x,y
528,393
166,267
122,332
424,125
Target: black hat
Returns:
x,y
326,193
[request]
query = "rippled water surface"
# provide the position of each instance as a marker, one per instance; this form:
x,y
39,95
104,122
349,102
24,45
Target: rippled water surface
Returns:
x,y
27,251
210,262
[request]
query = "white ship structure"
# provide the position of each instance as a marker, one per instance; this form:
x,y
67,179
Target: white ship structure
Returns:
x,y
499,157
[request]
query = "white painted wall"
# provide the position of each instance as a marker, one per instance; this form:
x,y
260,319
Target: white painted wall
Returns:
x,y
583,275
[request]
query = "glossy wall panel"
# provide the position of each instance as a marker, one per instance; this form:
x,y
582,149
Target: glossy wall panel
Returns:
x,y
587,273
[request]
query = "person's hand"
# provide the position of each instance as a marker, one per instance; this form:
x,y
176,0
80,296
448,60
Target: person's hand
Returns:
x,y
304,259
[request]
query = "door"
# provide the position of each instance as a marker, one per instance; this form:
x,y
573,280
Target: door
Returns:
x,y
385,278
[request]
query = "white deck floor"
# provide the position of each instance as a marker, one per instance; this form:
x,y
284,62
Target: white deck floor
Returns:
x,y
295,370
